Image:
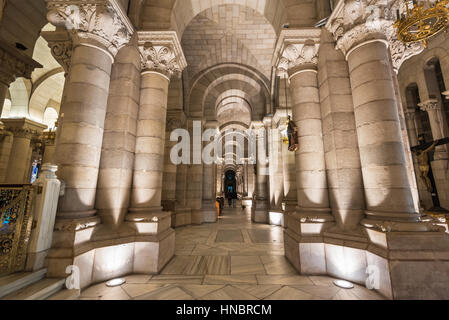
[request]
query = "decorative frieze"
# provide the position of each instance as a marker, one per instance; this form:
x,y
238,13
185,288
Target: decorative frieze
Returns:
x,y
100,23
161,52
297,48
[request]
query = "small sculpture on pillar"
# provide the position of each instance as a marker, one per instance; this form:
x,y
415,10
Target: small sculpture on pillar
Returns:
x,y
425,169
292,133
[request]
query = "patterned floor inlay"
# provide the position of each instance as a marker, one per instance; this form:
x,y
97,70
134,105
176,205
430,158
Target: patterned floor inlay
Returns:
x,y
229,260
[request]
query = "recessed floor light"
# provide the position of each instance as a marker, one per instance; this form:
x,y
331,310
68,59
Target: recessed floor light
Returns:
x,y
343,284
115,282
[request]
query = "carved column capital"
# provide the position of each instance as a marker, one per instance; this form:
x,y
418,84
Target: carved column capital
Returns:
x,y
161,52
61,47
357,21
430,105
297,49
14,64
100,23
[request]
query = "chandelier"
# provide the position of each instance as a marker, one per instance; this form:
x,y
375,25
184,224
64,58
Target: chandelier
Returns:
x,y
422,20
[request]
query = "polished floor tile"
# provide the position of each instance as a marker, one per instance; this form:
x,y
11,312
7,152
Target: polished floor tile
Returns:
x,y
232,259
229,236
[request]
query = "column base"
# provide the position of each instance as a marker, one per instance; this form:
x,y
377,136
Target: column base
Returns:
x,y
260,213
181,217
148,220
398,265
197,216
169,205
210,212
276,217
249,205
100,253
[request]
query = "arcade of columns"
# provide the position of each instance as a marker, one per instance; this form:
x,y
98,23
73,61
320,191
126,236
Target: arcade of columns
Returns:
x,y
348,198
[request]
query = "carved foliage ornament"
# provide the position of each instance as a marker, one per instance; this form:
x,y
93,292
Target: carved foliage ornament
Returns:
x,y
159,58
356,21
298,54
99,21
62,52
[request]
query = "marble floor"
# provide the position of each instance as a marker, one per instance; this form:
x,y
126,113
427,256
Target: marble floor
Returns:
x,y
229,260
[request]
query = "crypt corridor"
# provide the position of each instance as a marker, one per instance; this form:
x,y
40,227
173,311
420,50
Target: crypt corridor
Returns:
x,y
334,137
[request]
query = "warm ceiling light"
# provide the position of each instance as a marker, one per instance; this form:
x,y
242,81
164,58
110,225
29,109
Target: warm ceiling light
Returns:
x,y
343,284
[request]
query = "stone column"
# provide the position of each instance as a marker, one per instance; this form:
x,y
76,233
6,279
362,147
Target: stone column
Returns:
x,y
161,57
119,140
169,176
276,184
406,141
13,64
208,205
44,213
260,214
438,124
289,173
296,55
346,192
19,165
80,139
219,180
392,225
410,118
194,184
300,59
387,188
183,211
87,54
440,163
49,146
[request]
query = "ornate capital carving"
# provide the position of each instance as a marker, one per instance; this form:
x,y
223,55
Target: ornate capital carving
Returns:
x,y
401,52
297,48
61,47
430,105
161,52
356,21
14,64
101,23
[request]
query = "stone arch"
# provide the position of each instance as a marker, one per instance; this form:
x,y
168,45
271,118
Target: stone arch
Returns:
x,y
177,14
203,91
50,117
20,91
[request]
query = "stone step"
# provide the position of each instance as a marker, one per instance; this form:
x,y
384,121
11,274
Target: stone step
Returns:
x,y
66,295
40,290
16,281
